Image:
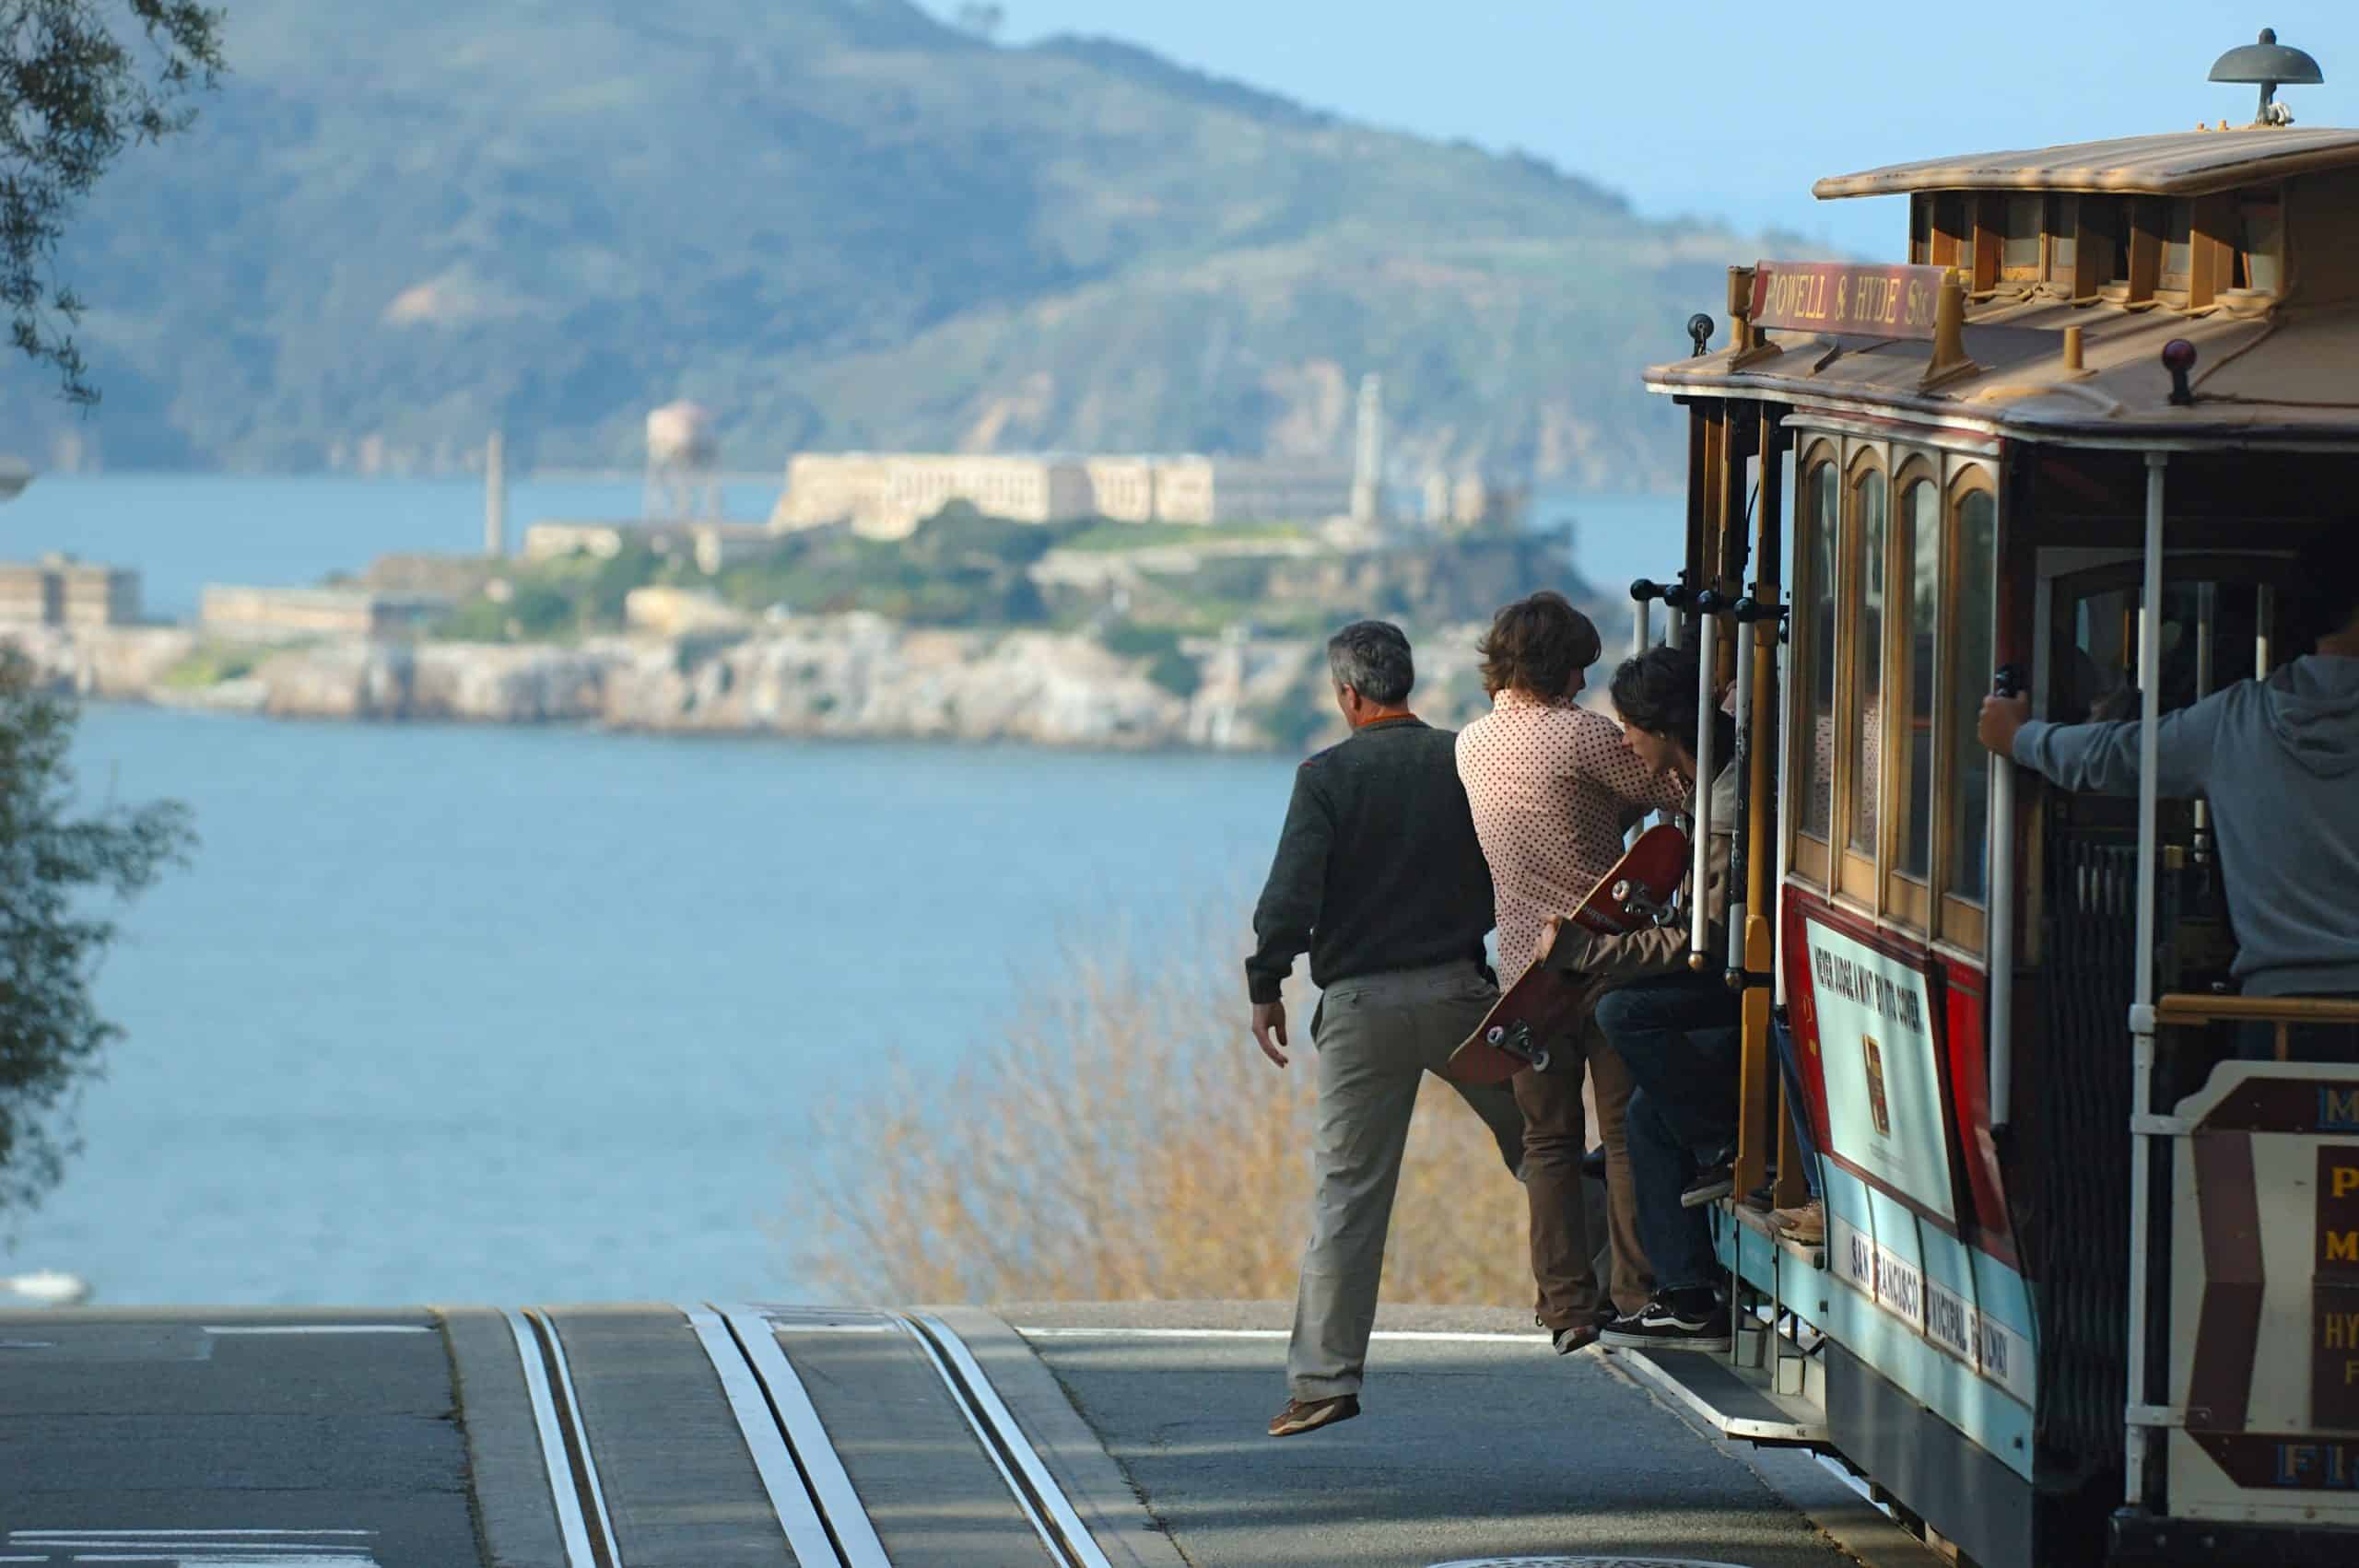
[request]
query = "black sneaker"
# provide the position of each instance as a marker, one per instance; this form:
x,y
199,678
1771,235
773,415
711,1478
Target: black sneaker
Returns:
x,y
1667,1326
1712,1183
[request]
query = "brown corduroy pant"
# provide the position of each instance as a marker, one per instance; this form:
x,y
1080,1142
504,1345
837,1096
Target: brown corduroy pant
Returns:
x,y
1565,1217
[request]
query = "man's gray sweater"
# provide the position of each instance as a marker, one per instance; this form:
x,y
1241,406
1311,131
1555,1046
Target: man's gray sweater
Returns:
x,y
1377,868
2279,761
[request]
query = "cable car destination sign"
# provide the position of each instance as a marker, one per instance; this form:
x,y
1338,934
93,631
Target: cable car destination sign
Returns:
x,y
1833,297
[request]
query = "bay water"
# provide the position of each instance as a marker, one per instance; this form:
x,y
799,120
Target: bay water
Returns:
x,y
470,1014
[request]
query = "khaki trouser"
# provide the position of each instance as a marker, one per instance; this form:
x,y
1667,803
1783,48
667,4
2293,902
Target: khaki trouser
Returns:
x,y
1565,1240
1377,1036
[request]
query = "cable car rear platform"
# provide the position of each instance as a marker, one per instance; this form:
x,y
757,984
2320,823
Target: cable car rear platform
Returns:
x,y
713,1435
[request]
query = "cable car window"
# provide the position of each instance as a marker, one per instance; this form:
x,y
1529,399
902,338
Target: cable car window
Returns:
x,y
1973,572
1920,553
2063,237
1867,660
2261,245
2177,250
2019,247
1818,650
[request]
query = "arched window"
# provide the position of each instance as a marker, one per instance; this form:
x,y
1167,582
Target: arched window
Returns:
x,y
1819,558
1974,534
1860,770
1916,605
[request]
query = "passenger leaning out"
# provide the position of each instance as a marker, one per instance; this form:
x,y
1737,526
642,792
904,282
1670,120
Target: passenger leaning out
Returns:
x,y
2278,759
1675,1031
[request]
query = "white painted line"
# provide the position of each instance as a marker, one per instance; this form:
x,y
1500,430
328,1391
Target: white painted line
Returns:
x,y
580,1428
570,1524
207,1557
977,1423
319,1329
212,1557
202,1549
837,1497
1080,1545
1397,1336
797,1515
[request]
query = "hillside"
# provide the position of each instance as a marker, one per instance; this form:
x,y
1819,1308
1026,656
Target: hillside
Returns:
x,y
836,223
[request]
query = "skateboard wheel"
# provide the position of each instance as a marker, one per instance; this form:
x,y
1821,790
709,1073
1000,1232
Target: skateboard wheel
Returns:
x,y
1495,1033
1540,1062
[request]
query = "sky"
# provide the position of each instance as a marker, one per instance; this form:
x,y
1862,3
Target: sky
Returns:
x,y
1730,111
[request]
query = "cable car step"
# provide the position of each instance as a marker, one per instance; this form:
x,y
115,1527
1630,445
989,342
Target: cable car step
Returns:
x,y
1736,1401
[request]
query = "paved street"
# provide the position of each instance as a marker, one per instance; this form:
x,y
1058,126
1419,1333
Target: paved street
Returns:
x,y
655,1436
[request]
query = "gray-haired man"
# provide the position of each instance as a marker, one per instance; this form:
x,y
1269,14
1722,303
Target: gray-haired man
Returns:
x,y
1378,876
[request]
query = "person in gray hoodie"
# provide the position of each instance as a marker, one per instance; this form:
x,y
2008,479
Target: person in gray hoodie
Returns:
x,y
2279,761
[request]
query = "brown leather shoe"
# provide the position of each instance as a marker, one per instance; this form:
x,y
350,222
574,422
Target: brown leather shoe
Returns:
x,y
1806,1224
1309,1415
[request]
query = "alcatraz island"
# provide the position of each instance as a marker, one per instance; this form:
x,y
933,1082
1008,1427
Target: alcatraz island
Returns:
x,y
1125,601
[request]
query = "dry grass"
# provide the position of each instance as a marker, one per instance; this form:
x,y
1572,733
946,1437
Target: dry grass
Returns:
x,y
1125,1141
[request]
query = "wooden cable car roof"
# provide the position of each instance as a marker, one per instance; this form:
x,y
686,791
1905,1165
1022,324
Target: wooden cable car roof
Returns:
x,y
2285,376
2183,163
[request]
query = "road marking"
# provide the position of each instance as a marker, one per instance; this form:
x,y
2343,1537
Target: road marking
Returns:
x,y
320,1328
197,1548
773,1461
1398,1336
847,1515
571,1525
979,1401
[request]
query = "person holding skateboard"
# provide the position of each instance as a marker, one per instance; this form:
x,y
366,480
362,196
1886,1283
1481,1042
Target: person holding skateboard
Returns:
x,y
1378,877
1673,1031
1553,788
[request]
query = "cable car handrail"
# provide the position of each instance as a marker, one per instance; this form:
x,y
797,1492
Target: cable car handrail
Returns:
x,y
2187,1009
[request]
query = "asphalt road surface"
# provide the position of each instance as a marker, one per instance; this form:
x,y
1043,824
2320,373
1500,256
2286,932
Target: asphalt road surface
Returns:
x,y
661,1436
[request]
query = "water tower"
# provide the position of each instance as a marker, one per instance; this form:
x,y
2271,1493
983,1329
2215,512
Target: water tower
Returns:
x,y
683,478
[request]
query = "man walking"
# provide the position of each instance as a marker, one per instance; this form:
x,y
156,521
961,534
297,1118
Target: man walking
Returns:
x,y
1553,788
1380,879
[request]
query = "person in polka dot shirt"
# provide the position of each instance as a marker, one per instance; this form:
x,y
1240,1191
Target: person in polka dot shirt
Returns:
x,y
1553,788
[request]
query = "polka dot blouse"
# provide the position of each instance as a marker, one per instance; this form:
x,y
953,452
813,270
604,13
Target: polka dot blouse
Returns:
x,y
1553,787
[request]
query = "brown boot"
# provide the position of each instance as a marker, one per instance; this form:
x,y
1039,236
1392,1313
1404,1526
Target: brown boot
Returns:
x,y
1309,1415
1806,1224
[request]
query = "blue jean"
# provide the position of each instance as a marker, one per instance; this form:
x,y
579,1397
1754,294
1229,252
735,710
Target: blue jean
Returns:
x,y
1678,1035
1791,1072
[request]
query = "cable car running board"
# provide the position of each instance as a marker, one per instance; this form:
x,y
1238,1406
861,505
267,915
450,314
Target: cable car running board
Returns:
x,y
1734,1401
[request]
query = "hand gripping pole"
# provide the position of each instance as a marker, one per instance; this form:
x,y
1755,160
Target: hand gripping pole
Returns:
x,y
1708,604
1744,616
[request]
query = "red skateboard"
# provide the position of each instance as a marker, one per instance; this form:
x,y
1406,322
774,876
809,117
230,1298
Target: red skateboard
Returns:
x,y
1544,1004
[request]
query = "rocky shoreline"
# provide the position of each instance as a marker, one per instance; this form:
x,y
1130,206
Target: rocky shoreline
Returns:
x,y
848,676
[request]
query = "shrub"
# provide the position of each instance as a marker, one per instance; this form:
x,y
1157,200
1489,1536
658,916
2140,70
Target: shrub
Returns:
x,y
1123,1139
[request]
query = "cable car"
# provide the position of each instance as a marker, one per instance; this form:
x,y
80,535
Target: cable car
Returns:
x,y
2079,1295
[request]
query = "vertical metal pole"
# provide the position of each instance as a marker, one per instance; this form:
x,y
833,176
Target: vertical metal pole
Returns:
x,y
2141,1011
1999,894
1742,849
2264,630
2207,615
1785,797
1707,709
1641,625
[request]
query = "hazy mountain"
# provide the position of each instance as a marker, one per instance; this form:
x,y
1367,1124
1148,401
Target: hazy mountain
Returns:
x,y
836,223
